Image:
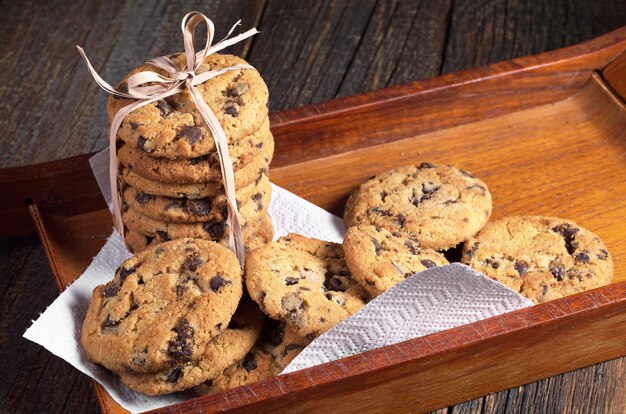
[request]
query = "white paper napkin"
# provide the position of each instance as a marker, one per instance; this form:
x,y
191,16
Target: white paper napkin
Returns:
x,y
436,299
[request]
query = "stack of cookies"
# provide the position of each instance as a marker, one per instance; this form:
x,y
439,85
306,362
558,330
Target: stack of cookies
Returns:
x,y
170,170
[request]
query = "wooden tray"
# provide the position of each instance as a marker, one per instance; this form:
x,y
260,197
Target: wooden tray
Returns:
x,y
548,135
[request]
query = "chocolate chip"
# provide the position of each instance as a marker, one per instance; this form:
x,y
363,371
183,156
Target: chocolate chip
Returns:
x,y
293,347
409,245
159,250
544,290
216,229
143,198
582,257
217,282
448,202
191,133
257,196
292,303
180,348
427,165
110,289
238,89
175,374
383,195
198,207
428,263
377,246
141,144
197,160
108,323
401,219
290,281
335,283
380,211
492,262
134,125
164,108
558,272
274,334
603,255
194,263
125,272
249,362
310,336
232,111
180,289
163,235
521,267
177,204
568,233
370,282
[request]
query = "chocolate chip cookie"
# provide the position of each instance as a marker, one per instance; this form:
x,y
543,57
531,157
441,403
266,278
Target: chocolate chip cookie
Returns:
x,y
162,307
542,258
254,236
247,165
192,191
223,351
379,259
173,127
215,229
440,205
192,210
275,349
303,282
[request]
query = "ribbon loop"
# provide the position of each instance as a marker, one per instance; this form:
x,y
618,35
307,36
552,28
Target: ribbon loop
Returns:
x,y
148,86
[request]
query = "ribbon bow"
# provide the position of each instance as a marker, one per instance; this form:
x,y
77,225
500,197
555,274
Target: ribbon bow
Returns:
x,y
148,86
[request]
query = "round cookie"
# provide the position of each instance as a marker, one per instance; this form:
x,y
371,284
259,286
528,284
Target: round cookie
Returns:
x,y
215,229
303,282
379,259
247,165
173,128
276,348
192,191
203,169
162,307
254,237
542,258
440,205
256,366
182,210
231,346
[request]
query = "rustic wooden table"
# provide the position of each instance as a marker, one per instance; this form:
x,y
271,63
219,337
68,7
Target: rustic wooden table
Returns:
x,y
308,51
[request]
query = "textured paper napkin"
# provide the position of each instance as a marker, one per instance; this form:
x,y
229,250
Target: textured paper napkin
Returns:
x,y
436,299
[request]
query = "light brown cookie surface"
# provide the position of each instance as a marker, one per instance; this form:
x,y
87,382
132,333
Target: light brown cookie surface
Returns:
x,y
303,282
379,259
223,351
163,306
173,128
542,258
440,205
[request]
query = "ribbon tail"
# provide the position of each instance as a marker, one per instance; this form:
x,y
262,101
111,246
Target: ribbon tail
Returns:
x,y
235,238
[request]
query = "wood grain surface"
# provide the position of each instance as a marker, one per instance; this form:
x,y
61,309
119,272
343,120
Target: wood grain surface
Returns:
x,y
308,52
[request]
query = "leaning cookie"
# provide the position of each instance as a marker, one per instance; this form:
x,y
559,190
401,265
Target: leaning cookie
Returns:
x,y
303,282
542,258
162,307
379,259
440,205
275,349
225,350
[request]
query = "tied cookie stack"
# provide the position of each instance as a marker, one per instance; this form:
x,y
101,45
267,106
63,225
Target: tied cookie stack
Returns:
x,y
171,180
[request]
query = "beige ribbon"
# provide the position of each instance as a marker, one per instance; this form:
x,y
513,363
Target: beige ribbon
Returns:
x,y
176,82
